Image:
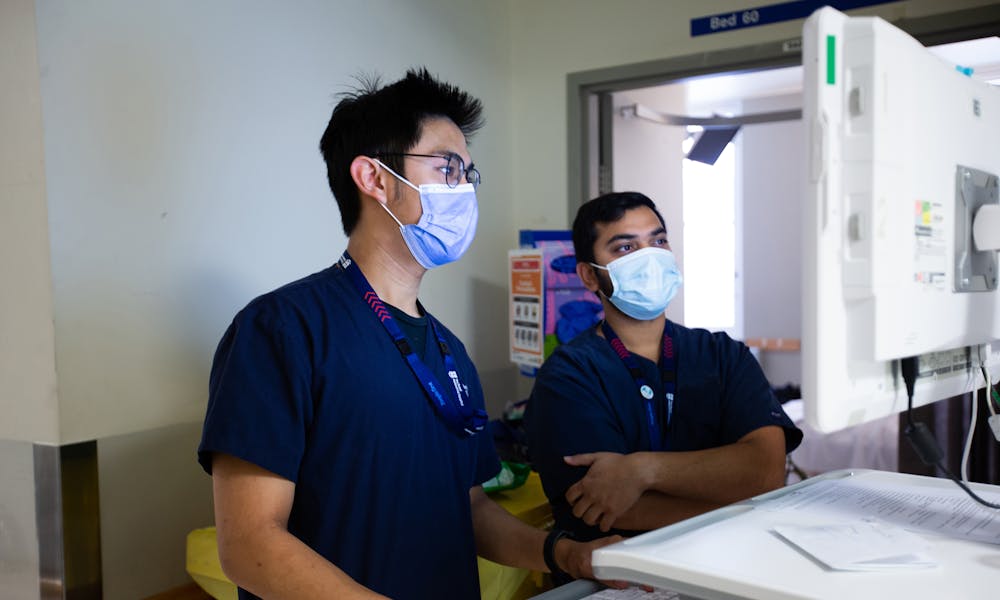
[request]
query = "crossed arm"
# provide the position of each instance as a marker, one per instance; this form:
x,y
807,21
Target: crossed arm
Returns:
x,y
646,490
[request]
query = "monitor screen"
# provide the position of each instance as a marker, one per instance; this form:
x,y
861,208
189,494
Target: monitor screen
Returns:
x,y
904,150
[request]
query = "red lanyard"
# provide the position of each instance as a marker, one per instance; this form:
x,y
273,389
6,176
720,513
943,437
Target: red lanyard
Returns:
x,y
668,372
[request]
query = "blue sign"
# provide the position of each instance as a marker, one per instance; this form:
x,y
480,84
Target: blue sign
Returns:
x,y
774,13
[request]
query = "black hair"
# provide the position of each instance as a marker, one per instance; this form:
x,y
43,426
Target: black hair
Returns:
x,y
604,209
385,120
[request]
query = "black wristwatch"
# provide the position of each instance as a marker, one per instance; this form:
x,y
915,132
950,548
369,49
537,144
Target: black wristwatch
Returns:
x,y
548,553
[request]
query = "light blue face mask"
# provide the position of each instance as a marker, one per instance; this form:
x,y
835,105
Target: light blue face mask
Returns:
x,y
446,227
644,282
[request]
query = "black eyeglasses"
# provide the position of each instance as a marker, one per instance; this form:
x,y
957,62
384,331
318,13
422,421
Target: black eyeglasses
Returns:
x,y
454,171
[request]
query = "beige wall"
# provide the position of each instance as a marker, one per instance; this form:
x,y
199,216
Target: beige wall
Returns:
x,y
19,577
27,356
151,497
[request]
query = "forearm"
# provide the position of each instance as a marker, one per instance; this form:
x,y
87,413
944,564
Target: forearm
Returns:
x,y
272,563
502,537
716,475
654,510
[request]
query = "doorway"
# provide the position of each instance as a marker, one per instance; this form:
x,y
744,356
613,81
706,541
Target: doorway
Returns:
x,y
739,216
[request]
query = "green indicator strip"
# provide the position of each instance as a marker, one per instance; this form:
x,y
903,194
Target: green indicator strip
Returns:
x,y
831,59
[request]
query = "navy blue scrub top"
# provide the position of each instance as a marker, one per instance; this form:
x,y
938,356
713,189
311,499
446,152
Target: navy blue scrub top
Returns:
x,y
585,400
307,384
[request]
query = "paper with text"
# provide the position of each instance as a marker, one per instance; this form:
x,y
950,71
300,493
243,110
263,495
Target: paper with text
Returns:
x,y
944,511
861,545
633,593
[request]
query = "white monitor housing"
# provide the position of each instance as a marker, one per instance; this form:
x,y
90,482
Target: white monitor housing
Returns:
x,y
904,154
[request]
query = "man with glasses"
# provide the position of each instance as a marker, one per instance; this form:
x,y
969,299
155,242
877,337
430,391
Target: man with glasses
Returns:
x,y
345,425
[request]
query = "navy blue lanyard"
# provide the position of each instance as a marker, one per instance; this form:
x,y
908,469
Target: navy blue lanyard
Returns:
x,y
454,409
667,369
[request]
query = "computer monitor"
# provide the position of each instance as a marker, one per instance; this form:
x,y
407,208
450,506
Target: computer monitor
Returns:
x,y
904,151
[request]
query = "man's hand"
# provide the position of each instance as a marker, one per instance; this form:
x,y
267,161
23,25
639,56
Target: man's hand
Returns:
x,y
574,558
610,487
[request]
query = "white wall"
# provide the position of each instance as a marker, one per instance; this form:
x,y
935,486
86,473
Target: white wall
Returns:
x,y
648,159
555,38
184,178
773,180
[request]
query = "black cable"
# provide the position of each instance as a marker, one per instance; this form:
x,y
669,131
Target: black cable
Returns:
x,y
920,435
962,485
909,367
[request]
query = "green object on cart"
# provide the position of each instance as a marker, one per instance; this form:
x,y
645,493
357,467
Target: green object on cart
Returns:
x,y
512,475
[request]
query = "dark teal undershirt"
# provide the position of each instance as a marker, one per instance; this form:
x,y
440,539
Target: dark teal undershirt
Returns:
x,y
414,328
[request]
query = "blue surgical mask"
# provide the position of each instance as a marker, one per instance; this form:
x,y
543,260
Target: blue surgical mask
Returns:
x,y
446,227
643,282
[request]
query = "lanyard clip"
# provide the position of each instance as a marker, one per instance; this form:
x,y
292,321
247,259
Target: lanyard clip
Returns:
x,y
403,346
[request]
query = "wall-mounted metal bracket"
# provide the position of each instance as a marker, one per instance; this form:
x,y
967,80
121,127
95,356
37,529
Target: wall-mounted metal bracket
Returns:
x,y
975,270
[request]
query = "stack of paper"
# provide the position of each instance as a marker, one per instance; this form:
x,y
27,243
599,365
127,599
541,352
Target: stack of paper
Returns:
x,y
633,593
862,545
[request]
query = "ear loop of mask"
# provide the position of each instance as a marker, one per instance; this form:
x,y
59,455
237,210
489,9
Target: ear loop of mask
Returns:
x,y
401,178
600,291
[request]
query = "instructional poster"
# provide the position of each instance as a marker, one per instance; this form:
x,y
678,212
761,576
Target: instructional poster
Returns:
x,y
526,318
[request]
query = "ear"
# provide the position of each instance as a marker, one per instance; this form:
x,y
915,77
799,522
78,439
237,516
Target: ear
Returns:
x,y
369,178
587,275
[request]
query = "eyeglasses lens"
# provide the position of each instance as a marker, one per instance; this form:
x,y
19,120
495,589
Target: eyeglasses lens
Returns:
x,y
456,167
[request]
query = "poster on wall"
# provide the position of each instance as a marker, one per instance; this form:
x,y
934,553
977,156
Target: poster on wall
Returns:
x,y
525,307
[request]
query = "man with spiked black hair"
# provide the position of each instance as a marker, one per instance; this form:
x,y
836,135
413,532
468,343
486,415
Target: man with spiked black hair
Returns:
x,y
345,425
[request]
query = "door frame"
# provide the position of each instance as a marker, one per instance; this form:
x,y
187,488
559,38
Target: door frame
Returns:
x,y
589,144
